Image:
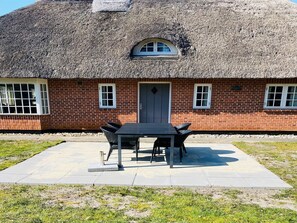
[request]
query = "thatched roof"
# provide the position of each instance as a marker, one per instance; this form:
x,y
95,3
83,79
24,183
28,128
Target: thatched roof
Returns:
x,y
217,39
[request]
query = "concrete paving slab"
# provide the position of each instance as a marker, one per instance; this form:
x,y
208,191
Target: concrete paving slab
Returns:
x,y
115,178
160,181
228,182
259,182
11,178
218,165
190,181
87,180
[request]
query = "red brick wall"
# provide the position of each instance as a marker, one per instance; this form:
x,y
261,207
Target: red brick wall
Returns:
x,y
75,105
20,122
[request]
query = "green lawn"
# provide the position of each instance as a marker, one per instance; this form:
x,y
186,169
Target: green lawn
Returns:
x,y
61,203
13,152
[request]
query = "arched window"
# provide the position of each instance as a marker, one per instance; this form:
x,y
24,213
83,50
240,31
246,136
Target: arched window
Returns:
x,y
155,48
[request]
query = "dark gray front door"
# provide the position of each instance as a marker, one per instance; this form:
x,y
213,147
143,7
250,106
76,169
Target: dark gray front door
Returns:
x,y
154,103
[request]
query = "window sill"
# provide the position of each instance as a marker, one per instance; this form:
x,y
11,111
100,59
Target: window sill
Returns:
x,y
163,57
24,114
107,108
201,108
280,109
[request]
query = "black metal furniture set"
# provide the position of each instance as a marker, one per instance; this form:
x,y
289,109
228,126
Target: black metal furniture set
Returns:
x,y
127,136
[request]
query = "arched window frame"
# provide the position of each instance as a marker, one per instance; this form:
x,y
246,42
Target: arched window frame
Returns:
x,y
137,49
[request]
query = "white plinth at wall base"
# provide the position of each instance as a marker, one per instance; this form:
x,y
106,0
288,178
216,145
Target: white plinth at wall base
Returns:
x,y
96,167
102,166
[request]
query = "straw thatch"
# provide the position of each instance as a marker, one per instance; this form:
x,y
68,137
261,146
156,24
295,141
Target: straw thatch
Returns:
x,y
216,38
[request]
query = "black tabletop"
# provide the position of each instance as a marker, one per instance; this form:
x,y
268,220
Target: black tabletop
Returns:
x,y
147,129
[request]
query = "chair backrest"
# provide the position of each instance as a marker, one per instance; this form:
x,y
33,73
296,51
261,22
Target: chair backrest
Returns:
x,y
114,125
181,137
183,126
110,134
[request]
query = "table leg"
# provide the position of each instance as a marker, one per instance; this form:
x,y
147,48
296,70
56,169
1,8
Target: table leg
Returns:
x,y
120,151
171,151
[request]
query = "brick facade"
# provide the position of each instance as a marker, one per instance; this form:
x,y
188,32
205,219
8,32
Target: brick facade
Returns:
x,y
74,105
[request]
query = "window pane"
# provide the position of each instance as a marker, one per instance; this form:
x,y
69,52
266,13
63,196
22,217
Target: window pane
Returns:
x,y
149,47
24,87
271,89
5,110
270,96
26,102
104,102
109,88
110,103
279,89
270,103
162,47
277,103
278,96
17,87
104,89
109,95
26,110
18,102
33,110
199,96
290,96
25,95
198,103
204,103
18,94
104,96
19,110
289,103
291,89
205,96
31,87
199,89
12,109
32,102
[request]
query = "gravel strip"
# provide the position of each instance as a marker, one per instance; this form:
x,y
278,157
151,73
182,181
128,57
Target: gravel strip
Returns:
x,y
200,138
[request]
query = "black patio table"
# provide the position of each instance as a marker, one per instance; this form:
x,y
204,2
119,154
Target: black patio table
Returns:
x,y
161,130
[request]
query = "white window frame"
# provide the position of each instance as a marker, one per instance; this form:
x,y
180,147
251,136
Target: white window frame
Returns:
x,y
283,98
137,49
36,83
113,93
208,96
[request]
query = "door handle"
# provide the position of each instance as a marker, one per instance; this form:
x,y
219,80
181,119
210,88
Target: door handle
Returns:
x,y
140,106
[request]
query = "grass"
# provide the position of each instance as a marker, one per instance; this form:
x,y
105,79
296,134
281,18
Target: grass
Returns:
x,y
280,158
20,203
13,152
69,203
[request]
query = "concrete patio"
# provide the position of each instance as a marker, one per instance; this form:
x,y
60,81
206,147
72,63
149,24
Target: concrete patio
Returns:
x,y
204,165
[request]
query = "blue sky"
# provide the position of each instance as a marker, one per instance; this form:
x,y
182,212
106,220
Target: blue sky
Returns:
x,y
7,6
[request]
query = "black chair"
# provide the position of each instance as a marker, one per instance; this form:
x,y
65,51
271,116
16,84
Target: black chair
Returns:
x,y
114,125
183,126
178,142
180,127
112,139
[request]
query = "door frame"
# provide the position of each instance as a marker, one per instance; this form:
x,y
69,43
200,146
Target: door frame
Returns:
x,y
154,82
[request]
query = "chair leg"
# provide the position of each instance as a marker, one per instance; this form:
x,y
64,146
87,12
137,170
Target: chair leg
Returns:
x,y
109,153
137,148
153,153
180,154
184,148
